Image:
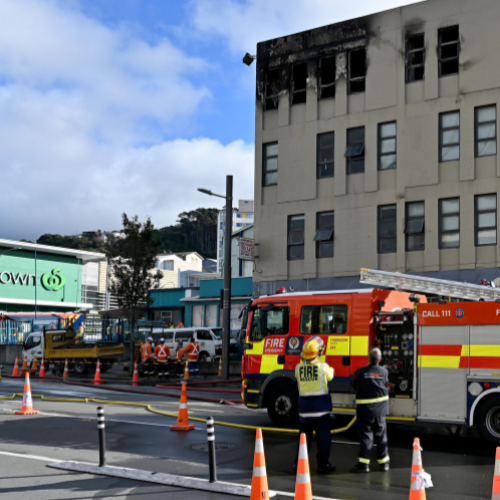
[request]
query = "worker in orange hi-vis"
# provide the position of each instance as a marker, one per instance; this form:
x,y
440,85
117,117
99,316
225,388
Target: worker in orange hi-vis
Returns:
x,y
179,359
161,355
180,325
147,358
193,350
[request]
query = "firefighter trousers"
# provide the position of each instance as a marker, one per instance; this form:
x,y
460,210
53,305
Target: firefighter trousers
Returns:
x,y
372,428
323,437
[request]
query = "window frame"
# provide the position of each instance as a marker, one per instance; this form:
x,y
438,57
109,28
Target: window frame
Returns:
x,y
476,130
327,86
320,164
264,162
446,44
271,97
288,234
300,92
409,218
348,145
442,129
441,231
355,79
382,139
477,212
379,222
331,239
315,309
409,52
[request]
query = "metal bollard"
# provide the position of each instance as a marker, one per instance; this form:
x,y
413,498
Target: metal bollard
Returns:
x,y
102,439
211,449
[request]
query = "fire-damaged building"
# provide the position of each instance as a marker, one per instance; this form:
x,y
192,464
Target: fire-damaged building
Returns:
x,y
376,146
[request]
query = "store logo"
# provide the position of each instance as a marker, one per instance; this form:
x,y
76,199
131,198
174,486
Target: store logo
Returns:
x,y
53,281
460,313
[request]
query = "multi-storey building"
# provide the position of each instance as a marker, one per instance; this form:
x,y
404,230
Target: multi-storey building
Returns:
x,y
376,146
242,217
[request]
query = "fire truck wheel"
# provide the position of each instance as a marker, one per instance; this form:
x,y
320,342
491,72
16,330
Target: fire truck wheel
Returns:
x,y
488,420
282,406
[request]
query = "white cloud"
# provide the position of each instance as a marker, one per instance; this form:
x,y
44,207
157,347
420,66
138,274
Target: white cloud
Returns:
x,y
84,110
245,23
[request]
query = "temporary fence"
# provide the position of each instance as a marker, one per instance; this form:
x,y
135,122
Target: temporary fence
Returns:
x,y
14,332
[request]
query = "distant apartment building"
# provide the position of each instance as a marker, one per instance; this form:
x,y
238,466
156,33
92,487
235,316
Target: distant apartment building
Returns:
x,y
243,216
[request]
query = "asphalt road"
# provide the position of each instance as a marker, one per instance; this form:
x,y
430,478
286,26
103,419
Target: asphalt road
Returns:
x,y
461,465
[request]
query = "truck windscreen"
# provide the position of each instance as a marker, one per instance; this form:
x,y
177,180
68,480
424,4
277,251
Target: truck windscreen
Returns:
x,y
269,322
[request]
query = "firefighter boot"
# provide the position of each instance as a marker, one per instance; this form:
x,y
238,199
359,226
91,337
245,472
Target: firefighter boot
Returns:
x,y
360,468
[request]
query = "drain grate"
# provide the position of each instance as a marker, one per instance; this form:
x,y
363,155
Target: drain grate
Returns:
x,y
218,446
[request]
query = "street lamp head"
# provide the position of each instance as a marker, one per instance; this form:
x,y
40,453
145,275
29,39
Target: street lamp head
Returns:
x,y
205,191
248,59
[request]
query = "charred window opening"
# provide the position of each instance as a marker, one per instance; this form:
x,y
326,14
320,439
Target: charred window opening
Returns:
x,y
327,77
357,71
272,88
448,51
415,58
299,83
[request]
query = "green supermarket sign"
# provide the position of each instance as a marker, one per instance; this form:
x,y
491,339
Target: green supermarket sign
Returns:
x,y
51,281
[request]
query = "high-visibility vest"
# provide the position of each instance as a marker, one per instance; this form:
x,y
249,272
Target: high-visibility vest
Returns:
x,y
193,350
312,381
146,351
162,353
179,355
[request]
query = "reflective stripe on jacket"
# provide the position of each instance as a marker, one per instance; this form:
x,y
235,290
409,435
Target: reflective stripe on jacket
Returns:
x,y
162,353
312,381
193,350
146,351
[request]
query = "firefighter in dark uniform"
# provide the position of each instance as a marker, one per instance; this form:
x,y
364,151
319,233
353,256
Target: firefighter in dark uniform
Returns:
x,y
372,406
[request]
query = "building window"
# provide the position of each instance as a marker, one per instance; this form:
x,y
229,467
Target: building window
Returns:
x,y
272,90
449,223
325,155
296,237
387,233
324,235
415,58
355,152
299,83
357,70
486,219
270,162
486,131
327,77
449,136
387,146
415,226
448,51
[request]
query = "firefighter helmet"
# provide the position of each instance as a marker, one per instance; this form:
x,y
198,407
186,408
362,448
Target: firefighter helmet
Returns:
x,y
312,348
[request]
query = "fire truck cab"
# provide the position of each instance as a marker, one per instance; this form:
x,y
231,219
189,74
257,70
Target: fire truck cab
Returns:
x,y
443,359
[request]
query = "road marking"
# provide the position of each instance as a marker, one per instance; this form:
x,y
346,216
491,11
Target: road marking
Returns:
x,y
31,457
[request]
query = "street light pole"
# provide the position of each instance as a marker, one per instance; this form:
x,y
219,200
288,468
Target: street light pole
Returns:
x,y
226,324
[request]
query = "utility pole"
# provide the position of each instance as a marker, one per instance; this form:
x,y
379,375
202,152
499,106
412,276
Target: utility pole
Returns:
x,y
226,323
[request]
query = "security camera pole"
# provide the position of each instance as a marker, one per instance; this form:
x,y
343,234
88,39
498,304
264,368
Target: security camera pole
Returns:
x,y
226,299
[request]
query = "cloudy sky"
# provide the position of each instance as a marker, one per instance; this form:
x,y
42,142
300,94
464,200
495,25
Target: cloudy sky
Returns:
x,y
111,106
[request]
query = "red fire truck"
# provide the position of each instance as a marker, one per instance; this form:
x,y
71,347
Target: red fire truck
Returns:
x,y
443,358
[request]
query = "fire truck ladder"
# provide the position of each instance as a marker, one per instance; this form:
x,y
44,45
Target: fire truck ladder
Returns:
x,y
445,288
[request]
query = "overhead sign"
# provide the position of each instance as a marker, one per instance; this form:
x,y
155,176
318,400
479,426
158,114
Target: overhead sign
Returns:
x,y
246,249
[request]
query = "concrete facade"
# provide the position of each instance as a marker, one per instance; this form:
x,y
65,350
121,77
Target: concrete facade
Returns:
x,y
420,176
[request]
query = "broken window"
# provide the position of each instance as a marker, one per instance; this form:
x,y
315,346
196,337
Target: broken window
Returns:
x,y
327,77
387,146
357,70
449,136
324,235
299,83
486,131
414,226
415,58
355,151
272,88
448,51
326,155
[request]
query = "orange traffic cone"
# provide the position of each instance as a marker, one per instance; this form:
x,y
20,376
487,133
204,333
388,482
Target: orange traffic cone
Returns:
x,y
34,365
15,372
186,371
25,363
66,370
260,488
183,419
42,369
419,479
135,378
97,379
27,408
220,367
303,488
495,495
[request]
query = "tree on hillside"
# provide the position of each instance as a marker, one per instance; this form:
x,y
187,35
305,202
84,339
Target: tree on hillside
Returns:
x,y
131,277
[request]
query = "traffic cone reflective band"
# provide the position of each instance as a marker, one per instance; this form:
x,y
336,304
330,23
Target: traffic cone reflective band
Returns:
x,y
186,371
42,369
303,488
220,367
15,372
495,495
97,378
183,419
25,362
135,378
34,365
260,488
27,408
66,370
417,489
